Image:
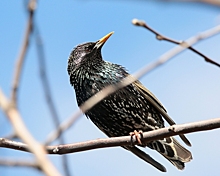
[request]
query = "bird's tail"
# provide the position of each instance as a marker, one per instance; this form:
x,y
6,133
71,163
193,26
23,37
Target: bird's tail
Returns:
x,y
172,150
145,157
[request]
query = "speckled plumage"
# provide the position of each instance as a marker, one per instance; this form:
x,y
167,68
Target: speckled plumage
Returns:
x,y
124,111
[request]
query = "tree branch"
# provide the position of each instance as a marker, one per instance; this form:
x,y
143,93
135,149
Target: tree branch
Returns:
x,y
62,127
120,141
13,135
20,162
9,107
210,2
128,80
161,37
22,132
48,94
24,47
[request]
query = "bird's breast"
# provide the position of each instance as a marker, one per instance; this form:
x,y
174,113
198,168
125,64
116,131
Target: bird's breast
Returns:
x,y
89,84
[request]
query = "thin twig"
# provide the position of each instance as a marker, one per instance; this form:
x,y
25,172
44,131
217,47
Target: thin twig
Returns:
x,y
129,79
48,93
162,37
23,51
11,136
210,2
121,141
62,127
21,163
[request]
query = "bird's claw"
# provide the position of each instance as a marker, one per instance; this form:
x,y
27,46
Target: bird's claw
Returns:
x,y
136,134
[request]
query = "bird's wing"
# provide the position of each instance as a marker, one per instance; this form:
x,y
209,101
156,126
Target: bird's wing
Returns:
x,y
142,88
145,157
156,103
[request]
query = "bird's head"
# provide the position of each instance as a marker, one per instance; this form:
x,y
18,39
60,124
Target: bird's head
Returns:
x,y
86,54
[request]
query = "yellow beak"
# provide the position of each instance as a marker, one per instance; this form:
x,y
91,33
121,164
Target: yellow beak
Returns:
x,y
103,40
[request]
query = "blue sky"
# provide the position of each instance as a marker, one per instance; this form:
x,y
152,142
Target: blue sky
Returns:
x,y
187,86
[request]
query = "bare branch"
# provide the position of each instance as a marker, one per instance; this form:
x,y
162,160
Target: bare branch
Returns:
x,y
22,132
161,37
121,141
45,81
62,127
13,135
211,2
48,93
24,47
21,163
128,80
9,107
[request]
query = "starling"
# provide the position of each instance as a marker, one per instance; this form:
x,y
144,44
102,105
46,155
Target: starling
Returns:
x,y
132,108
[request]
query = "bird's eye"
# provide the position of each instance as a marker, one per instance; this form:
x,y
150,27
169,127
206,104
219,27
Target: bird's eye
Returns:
x,y
88,48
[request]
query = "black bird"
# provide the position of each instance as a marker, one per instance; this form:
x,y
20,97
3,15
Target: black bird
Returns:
x,y
130,109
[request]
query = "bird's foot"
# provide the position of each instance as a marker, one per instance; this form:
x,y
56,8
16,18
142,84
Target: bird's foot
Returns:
x,y
137,134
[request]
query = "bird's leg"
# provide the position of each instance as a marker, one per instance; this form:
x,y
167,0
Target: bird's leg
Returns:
x,y
136,134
